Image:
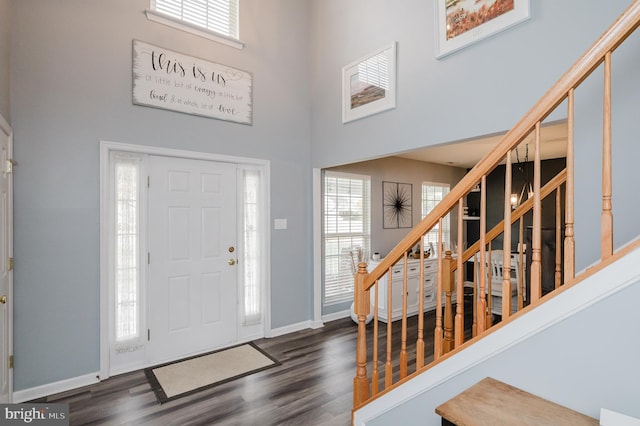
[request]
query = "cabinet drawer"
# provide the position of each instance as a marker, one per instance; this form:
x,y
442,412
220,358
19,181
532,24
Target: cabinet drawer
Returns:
x,y
430,267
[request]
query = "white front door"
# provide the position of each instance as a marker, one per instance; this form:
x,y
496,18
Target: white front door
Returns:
x,y
192,281
5,267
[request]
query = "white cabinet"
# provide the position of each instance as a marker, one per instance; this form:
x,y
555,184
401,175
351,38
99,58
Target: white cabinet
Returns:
x,y
413,288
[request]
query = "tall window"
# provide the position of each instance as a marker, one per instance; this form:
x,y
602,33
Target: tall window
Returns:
x,y
432,194
252,243
127,274
220,16
347,217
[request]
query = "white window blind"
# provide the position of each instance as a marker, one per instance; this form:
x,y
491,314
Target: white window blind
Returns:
x,y
220,16
432,194
347,218
252,233
126,196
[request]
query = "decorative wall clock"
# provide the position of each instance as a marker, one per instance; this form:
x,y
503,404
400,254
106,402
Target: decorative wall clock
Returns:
x,y
396,203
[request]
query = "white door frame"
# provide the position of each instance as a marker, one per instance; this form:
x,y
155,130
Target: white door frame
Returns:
x,y
6,129
106,147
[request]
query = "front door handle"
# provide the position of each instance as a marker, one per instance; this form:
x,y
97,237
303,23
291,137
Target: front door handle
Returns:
x,y
232,262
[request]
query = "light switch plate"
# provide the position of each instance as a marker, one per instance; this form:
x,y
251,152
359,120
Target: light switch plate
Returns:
x,y
280,224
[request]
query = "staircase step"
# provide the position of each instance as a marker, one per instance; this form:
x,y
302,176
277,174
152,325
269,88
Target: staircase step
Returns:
x,y
491,403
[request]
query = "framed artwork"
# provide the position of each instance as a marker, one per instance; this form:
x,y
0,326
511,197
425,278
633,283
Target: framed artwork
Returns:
x,y
396,205
462,22
369,84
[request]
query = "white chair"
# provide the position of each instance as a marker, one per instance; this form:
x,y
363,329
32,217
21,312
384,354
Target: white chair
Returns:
x,y
494,265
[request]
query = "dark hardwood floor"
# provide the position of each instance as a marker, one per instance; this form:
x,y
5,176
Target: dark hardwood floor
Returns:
x,y
313,386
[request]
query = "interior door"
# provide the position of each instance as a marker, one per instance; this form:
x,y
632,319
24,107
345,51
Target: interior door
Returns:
x,y
192,281
5,267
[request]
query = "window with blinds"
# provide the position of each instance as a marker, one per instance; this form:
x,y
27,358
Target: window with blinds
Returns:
x,y
346,228
220,16
432,194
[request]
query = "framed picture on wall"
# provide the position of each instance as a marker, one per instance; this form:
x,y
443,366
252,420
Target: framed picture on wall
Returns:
x,y
396,205
462,22
369,84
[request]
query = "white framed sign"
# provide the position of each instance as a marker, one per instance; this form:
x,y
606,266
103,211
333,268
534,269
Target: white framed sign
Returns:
x,y
170,80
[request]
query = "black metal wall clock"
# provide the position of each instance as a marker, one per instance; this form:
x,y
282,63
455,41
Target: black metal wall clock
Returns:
x,y
396,203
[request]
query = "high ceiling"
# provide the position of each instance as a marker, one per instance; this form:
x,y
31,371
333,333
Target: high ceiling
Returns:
x,y
553,143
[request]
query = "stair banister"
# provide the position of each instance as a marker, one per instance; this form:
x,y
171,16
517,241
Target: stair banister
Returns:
x,y
529,124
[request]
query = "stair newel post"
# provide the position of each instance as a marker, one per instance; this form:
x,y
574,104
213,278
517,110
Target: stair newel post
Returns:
x,y
569,242
447,287
506,243
536,243
403,332
459,321
607,213
437,334
362,306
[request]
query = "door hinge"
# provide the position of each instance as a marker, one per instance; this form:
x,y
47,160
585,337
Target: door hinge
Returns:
x,y
148,181
9,166
11,361
148,334
148,258
11,263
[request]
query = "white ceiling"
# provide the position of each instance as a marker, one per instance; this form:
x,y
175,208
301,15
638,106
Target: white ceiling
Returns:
x,y
553,143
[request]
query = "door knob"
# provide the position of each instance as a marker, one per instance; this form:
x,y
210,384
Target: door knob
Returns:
x,y
232,262
3,299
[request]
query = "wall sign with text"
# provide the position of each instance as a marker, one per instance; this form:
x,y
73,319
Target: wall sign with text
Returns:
x,y
166,79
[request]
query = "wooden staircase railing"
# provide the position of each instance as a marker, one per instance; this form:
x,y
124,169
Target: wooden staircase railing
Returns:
x,y
449,330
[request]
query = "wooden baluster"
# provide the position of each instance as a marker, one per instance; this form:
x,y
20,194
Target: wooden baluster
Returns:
x,y
536,243
459,323
474,325
437,333
388,366
569,242
362,305
447,285
482,302
558,274
375,374
420,340
489,288
403,337
506,243
607,214
521,287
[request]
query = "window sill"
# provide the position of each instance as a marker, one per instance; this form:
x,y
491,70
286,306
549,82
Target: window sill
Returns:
x,y
161,18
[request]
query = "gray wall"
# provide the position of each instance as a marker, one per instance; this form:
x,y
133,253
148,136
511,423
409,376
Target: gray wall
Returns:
x,y
5,28
482,89
71,88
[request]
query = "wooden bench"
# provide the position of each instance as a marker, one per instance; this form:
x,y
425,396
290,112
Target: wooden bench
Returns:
x,y
491,403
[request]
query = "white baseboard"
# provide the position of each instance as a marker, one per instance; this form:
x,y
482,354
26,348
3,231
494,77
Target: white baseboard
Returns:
x,y
292,328
317,324
55,387
336,316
